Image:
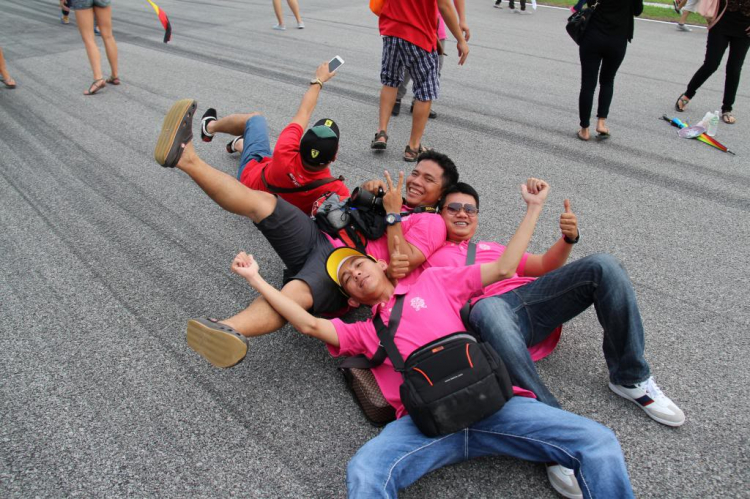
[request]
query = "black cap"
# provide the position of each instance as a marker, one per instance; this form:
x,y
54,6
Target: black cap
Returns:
x,y
320,143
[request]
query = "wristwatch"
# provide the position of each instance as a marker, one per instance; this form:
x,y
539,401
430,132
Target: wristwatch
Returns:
x,y
572,241
316,81
392,219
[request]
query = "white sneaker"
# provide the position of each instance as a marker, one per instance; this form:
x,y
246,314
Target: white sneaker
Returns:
x,y
650,398
563,480
682,27
300,25
279,27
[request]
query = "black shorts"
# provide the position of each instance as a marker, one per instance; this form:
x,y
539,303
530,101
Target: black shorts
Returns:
x,y
303,249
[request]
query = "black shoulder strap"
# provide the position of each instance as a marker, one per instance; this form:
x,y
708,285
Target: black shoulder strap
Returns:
x,y
362,362
471,255
386,334
303,188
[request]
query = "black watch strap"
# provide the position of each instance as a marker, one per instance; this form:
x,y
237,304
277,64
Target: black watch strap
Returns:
x,y
572,241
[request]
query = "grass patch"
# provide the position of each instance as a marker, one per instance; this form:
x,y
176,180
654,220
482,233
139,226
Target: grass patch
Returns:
x,y
649,12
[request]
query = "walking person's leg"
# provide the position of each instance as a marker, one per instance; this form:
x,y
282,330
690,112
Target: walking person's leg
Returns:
x,y
423,67
104,21
279,15
591,59
8,80
615,53
716,45
391,76
294,5
85,22
401,93
738,47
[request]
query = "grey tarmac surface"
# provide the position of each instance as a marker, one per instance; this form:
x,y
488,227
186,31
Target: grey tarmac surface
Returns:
x,y
105,255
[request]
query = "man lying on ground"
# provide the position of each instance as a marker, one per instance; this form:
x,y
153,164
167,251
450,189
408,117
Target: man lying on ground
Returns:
x,y
294,236
298,170
401,453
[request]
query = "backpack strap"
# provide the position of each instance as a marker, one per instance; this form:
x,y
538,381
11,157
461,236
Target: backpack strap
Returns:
x,y
303,188
471,255
362,362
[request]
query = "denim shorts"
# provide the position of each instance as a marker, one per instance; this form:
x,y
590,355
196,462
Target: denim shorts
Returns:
x,y
87,4
255,142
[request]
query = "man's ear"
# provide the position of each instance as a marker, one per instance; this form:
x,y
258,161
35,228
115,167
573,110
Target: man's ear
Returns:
x,y
383,266
353,303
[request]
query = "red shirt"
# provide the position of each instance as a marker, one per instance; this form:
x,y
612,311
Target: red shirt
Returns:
x,y
415,21
285,169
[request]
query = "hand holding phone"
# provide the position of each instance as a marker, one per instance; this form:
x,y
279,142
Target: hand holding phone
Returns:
x,y
335,63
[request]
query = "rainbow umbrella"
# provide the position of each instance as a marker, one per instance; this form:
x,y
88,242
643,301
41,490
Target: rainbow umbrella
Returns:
x,y
705,138
164,21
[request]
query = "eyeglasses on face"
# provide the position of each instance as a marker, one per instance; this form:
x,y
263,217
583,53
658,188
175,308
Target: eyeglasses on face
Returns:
x,y
454,208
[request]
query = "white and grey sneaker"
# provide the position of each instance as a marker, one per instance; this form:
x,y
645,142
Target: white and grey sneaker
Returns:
x,y
563,480
650,398
682,27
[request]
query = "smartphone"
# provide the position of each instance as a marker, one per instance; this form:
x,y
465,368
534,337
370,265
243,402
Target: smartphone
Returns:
x,y
335,63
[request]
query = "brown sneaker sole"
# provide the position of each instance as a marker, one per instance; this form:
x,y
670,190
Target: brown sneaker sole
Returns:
x,y
221,345
176,131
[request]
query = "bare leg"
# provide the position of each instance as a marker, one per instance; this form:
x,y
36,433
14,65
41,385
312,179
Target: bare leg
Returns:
x,y
226,190
260,318
4,70
278,12
387,100
85,22
294,5
418,122
104,21
234,124
601,125
584,133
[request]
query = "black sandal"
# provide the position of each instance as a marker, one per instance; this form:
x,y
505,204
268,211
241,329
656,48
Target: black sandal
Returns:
x,y
218,343
411,155
681,100
231,145
95,87
377,144
176,132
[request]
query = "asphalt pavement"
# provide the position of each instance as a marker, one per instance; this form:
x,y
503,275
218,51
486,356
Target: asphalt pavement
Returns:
x,y
104,255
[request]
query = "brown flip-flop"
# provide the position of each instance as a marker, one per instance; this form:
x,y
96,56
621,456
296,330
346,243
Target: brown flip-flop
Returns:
x,y
218,343
176,132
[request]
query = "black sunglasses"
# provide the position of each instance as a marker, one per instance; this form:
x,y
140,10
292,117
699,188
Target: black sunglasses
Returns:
x,y
454,208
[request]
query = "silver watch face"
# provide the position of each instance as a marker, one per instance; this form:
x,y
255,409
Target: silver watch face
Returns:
x,y
390,219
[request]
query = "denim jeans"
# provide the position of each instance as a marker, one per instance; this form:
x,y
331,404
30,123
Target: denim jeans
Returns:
x,y
527,315
523,428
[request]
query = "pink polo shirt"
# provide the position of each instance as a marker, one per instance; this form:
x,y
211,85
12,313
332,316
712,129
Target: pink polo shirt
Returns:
x,y
454,255
431,311
424,231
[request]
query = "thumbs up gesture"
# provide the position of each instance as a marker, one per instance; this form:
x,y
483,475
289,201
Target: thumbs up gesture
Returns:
x,y
569,222
398,267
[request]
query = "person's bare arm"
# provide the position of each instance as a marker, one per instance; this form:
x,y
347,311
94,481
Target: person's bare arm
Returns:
x,y
245,265
447,10
557,255
310,99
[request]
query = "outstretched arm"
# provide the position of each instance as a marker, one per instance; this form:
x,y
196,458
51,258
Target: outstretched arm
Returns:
x,y
245,265
310,99
534,193
558,253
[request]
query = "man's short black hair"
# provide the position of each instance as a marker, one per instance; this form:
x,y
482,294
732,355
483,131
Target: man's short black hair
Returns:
x,y
450,172
460,188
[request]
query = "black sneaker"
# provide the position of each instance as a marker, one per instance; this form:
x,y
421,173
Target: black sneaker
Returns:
x,y
208,117
396,108
433,114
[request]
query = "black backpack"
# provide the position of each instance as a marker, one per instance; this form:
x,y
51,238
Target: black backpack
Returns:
x,y
353,225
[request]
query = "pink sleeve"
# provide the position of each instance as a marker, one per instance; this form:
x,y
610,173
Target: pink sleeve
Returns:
x,y
426,232
522,264
441,28
350,335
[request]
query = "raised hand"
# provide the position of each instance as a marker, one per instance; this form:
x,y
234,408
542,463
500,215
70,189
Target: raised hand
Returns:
x,y
373,186
399,264
244,265
569,222
535,191
392,200
323,74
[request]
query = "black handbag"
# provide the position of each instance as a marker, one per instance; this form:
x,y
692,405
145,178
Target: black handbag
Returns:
x,y
578,22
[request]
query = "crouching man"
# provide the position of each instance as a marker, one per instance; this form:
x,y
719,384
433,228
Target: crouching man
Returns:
x,y
401,454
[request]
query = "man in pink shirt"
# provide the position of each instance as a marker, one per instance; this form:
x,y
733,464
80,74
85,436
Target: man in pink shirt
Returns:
x,y
401,454
519,316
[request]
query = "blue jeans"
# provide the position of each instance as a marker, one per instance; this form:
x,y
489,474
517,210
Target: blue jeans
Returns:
x,y
523,428
527,315
255,142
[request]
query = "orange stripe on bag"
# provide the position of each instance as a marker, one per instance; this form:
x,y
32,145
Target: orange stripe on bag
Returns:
x,y
471,364
423,374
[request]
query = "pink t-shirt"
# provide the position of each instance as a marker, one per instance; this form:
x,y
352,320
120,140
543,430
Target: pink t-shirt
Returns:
x,y
441,28
431,311
424,231
454,255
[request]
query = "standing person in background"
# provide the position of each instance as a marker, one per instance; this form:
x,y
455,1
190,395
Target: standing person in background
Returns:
x,y
8,81
85,11
603,46
684,8
65,11
730,27
294,5
442,36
